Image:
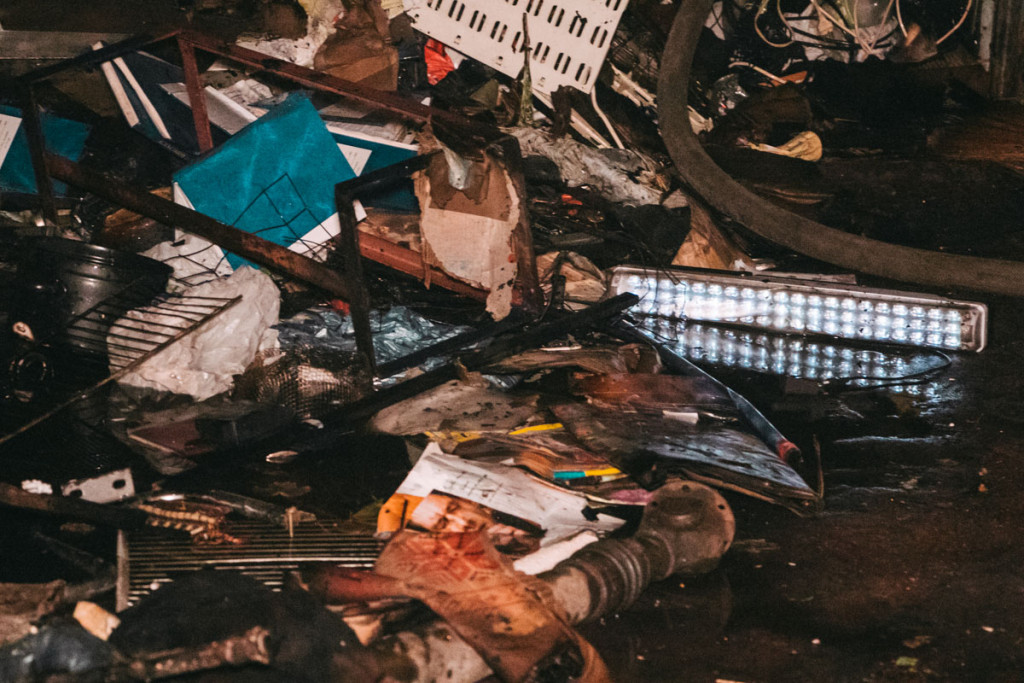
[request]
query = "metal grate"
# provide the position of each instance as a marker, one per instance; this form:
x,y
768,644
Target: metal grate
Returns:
x,y
266,553
569,39
109,340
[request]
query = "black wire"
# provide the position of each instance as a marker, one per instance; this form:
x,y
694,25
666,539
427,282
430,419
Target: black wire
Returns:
x,y
821,41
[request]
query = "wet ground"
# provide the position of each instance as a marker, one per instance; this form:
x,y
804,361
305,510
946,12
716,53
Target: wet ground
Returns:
x,y
911,572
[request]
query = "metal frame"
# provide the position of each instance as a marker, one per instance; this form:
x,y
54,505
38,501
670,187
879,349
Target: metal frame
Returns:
x,y
250,246
180,316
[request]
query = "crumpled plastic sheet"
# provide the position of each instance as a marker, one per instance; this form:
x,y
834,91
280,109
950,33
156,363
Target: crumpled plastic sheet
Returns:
x,y
619,175
397,332
321,15
203,363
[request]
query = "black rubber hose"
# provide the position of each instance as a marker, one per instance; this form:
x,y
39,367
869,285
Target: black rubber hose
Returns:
x,y
802,235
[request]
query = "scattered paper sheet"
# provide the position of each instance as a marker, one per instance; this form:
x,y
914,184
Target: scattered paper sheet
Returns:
x,y
560,513
8,128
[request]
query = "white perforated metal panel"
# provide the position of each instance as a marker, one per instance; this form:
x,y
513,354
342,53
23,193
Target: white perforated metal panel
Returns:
x,y
568,38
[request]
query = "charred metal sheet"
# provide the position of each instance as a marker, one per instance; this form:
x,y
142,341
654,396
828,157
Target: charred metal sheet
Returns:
x,y
656,393
784,448
649,446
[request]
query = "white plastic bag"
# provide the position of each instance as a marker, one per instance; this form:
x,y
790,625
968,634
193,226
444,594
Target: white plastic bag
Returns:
x,y
203,363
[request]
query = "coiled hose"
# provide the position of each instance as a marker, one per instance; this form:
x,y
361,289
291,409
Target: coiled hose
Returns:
x,y
802,235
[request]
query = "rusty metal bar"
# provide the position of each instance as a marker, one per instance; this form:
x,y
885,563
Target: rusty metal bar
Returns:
x,y
252,247
311,78
527,284
345,193
250,647
317,80
93,57
37,150
359,297
71,508
411,263
196,96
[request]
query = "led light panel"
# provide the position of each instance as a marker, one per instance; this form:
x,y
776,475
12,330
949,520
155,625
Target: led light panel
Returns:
x,y
785,355
795,306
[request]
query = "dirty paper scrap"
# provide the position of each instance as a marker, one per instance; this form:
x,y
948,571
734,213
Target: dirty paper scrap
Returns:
x,y
506,489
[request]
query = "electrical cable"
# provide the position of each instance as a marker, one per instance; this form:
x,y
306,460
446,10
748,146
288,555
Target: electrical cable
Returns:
x,y
757,29
785,228
882,23
899,19
836,384
855,32
963,17
821,41
763,72
843,384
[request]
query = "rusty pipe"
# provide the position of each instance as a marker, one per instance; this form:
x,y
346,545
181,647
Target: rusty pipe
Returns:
x,y
686,529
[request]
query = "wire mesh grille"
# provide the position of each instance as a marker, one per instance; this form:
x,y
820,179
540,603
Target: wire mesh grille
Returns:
x,y
311,382
265,552
102,344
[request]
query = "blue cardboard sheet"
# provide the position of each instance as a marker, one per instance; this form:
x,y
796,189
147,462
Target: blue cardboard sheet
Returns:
x,y
274,178
63,137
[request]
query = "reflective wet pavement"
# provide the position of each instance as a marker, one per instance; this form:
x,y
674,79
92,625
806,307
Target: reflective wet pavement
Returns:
x,y
911,572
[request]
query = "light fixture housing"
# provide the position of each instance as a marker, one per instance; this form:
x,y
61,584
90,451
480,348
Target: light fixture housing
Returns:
x,y
793,305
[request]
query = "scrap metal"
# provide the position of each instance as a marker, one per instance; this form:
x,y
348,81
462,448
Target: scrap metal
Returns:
x,y
686,528
345,193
